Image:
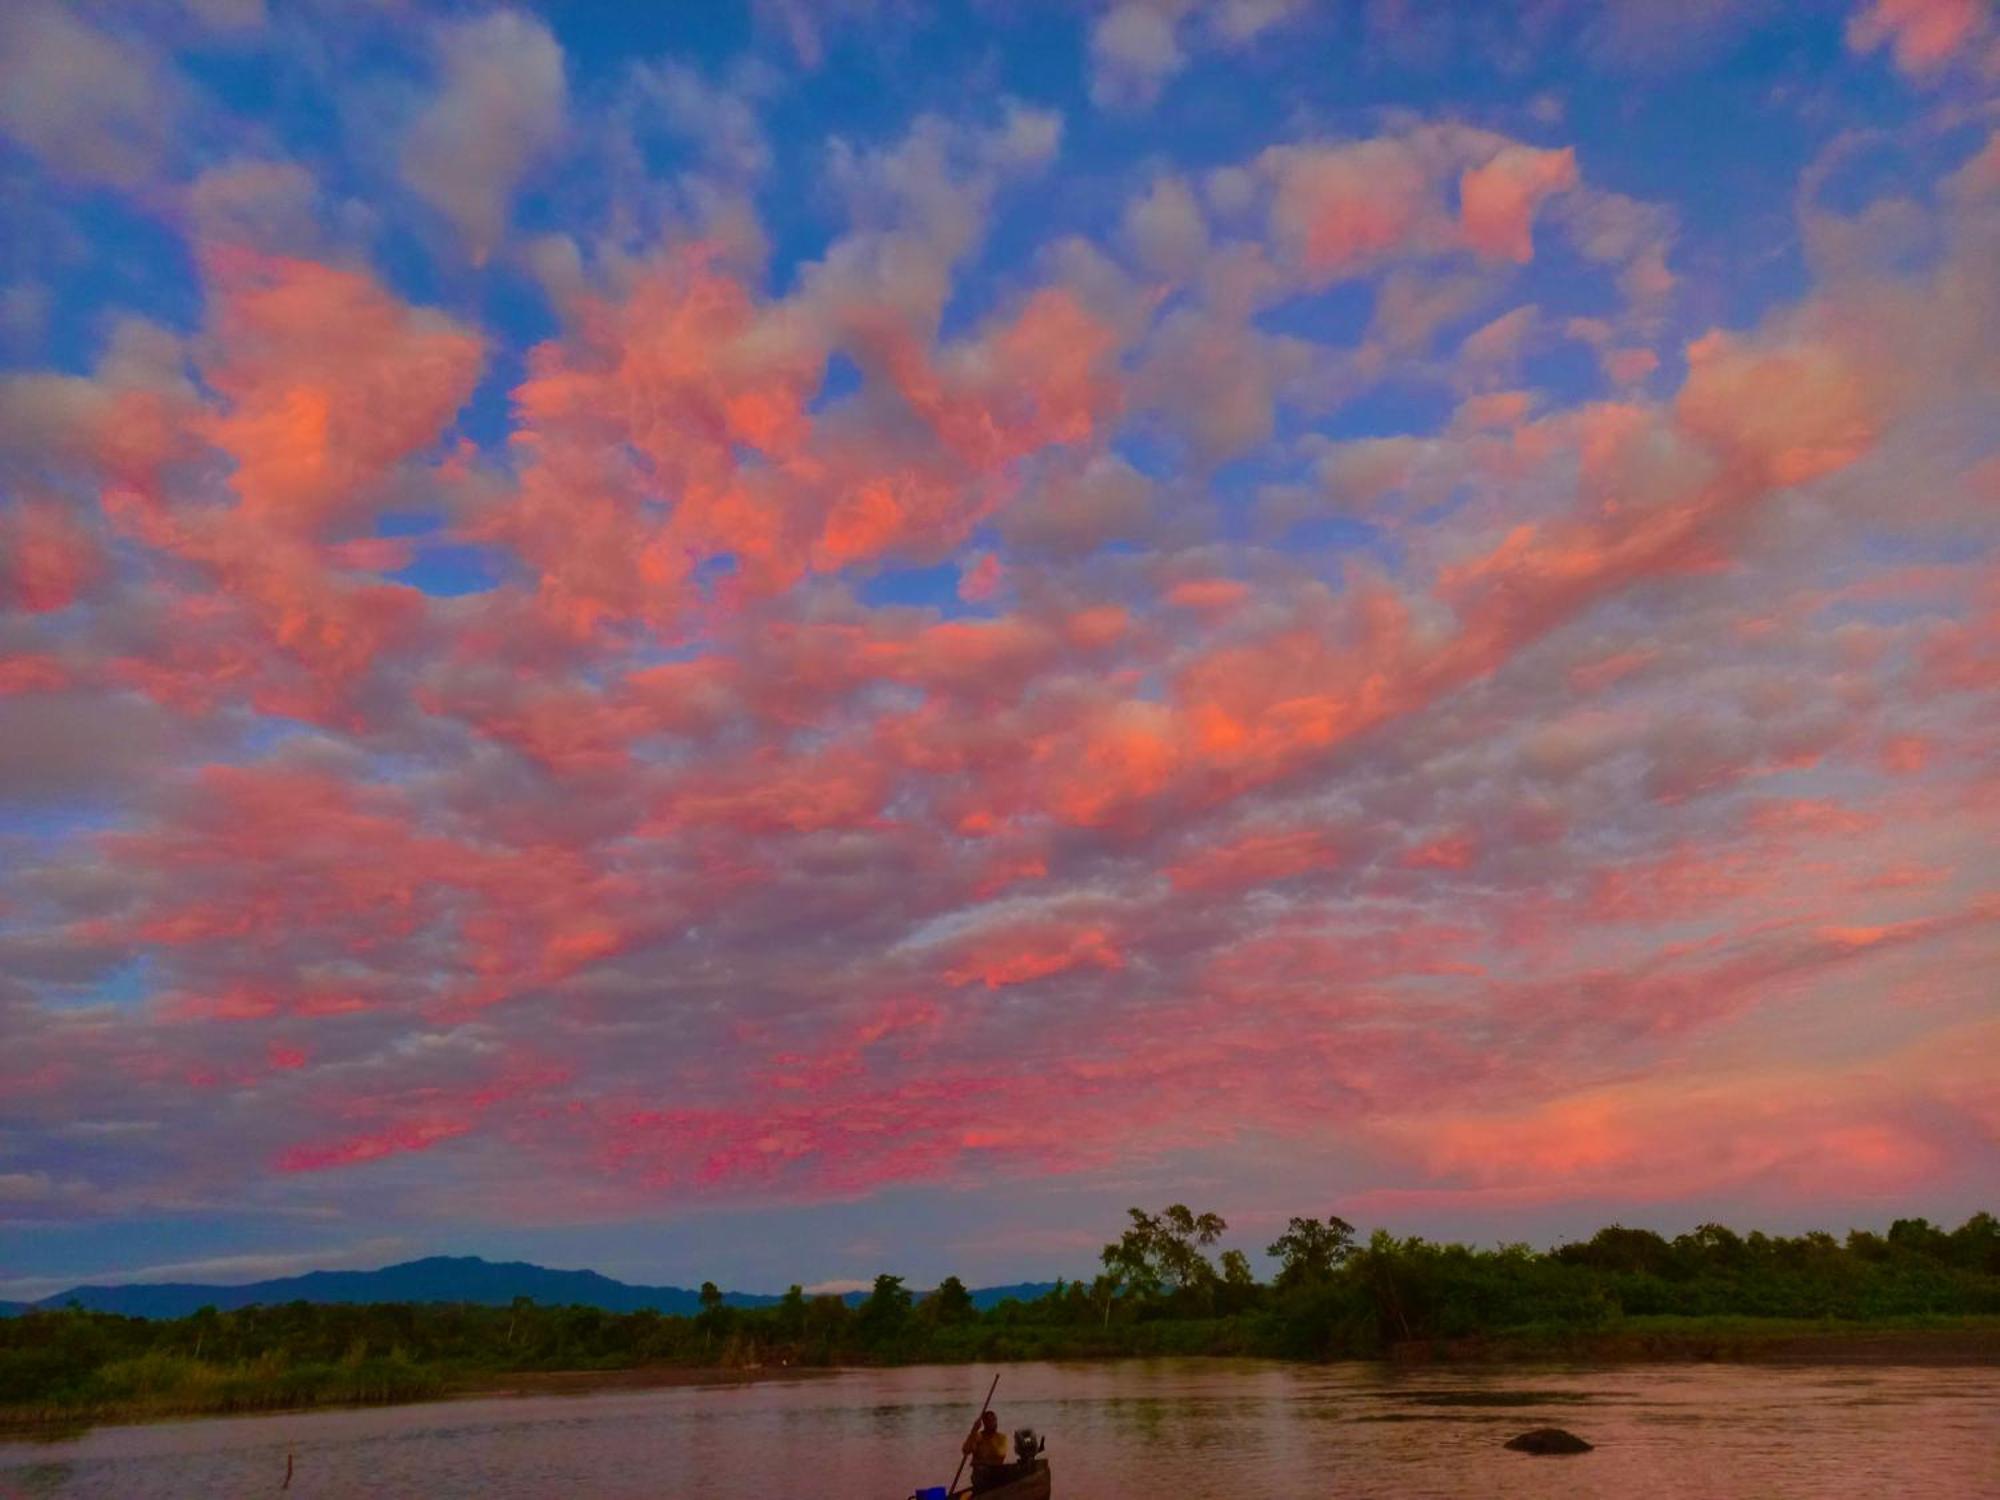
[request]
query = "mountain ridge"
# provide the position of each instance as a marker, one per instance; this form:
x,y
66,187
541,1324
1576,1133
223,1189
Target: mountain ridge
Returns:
x,y
433,1278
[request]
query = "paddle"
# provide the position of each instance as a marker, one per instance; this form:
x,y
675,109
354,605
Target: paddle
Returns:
x,y
975,1423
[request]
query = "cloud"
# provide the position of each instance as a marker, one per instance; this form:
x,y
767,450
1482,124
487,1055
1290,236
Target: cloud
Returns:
x,y
1788,1133
272,206
1135,49
1013,665
327,381
47,558
1922,34
499,112
1497,201
1137,45
90,105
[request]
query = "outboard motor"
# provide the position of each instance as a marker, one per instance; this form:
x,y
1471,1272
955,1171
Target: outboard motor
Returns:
x,y
1027,1447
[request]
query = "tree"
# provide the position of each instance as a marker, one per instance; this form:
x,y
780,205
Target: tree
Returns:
x,y
826,1318
792,1312
714,1317
207,1323
1616,1248
951,1302
1163,1252
886,1310
1712,1247
1104,1290
1239,1284
1308,1251
1130,1261
1975,1244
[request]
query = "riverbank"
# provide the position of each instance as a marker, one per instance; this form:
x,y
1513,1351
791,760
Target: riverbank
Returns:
x,y
1935,1343
195,1394
634,1378
181,1390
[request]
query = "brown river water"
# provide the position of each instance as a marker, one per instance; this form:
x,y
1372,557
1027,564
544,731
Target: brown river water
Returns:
x,y
1186,1429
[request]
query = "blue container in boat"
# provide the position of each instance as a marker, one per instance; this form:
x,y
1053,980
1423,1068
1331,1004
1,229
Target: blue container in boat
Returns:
x,y
935,1492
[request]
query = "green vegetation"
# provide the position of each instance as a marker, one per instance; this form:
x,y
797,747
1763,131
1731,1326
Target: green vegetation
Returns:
x,y
1623,1293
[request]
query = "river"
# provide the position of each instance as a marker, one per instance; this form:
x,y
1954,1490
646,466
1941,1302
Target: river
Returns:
x,y
1186,1429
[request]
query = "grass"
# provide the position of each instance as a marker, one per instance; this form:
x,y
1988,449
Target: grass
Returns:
x,y
155,1386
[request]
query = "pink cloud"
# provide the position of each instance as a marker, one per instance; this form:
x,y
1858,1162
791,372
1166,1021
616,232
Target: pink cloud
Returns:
x,y
31,674
1791,1132
1025,953
1922,33
1497,201
1336,209
46,558
891,667
399,1140
1254,860
327,382
1207,595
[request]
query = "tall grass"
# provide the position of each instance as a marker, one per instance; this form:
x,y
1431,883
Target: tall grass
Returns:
x,y
157,1384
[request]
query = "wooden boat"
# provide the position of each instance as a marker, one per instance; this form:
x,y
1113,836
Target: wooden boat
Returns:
x,y
1026,1478
1031,1484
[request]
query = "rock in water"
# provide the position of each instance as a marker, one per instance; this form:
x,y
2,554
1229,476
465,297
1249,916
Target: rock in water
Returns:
x,y
1548,1440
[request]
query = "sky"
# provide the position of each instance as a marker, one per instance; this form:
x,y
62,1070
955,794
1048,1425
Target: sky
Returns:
x,y
781,641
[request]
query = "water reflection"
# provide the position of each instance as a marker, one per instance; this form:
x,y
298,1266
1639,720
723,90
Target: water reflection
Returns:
x,y
1193,1429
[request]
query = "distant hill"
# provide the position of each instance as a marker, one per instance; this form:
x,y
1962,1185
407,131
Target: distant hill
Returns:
x,y
437,1278
984,1297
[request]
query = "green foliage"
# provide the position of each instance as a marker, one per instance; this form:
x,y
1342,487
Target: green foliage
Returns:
x,y
1625,1291
1308,1251
1160,1256
952,1303
886,1313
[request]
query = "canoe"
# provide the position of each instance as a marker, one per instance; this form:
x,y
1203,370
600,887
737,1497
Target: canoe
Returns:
x,y
1031,1485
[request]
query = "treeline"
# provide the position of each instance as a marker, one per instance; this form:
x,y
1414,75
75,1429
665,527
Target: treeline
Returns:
x,y
1158,1292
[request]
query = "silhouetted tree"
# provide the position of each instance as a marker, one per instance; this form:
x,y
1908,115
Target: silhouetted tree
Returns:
x,y
886,1310
1308,1251
792,1313
1163,1251
950,1303
714,1317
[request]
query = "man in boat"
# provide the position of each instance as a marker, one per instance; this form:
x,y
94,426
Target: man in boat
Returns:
x,y
986,1445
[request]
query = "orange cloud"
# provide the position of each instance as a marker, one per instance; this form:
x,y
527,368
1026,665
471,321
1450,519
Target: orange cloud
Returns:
x,y
1790,413
327,381
1497,201
1207,595
1800,1132
1922,33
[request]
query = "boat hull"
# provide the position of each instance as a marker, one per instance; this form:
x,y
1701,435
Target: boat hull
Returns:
x,y
1033,1485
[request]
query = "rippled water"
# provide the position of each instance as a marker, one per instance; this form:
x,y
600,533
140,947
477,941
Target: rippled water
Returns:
x,y
1181,1428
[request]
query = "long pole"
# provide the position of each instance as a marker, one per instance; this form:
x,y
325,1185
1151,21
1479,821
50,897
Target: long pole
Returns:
x,y
975,1423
